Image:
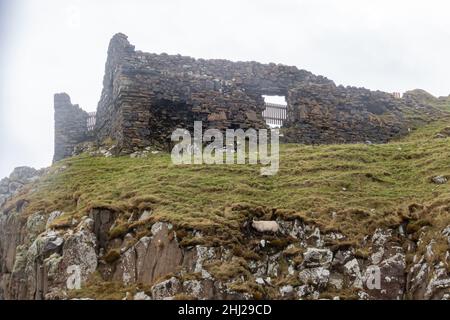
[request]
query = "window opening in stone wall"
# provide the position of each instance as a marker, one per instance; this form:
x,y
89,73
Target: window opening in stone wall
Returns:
x,y
275,112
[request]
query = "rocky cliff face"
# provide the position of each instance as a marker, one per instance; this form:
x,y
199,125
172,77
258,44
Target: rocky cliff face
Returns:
x,y
45,256
18,178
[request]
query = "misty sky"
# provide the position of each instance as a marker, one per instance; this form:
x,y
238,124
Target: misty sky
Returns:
x,y
60,46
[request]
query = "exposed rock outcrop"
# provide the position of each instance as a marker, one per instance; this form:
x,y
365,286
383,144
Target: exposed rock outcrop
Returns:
x,y
18,178
299,261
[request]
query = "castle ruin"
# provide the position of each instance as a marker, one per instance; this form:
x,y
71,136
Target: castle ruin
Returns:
x,y
146,96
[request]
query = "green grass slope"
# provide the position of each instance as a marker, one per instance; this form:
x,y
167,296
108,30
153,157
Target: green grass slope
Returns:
x,y
352,188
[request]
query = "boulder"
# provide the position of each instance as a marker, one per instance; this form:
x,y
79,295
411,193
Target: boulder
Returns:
x,y
316,277
79,258
166,289
141,296
439,180
314,257
52,217
23,174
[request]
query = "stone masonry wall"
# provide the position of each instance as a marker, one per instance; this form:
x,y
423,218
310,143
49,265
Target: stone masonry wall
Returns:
x,y
70,126
325,113
146,96
152,106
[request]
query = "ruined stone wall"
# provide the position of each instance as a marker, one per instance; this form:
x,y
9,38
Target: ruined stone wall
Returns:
x,y
70,126
146,96
325,113
108,118
255,78
153,105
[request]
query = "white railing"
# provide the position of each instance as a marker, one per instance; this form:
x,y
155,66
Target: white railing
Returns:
x,y
275,114
91,121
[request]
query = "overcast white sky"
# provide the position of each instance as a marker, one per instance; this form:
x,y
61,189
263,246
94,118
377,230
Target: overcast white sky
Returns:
x,y
50,46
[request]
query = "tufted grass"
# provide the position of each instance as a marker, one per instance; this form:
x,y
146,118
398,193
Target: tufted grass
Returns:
x,y
365,185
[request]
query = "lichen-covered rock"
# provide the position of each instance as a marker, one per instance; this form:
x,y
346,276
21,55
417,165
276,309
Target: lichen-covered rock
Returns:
x,y
446,233
35,224
199,289
439,180
295,229
317,277
4,186
79,258
52,217
151,257
389,264
300,261
439,284
341,257
306,291
17,179
314,257
142,296
127,267
195,258
426,278
286,291
23,174
353,271
166,289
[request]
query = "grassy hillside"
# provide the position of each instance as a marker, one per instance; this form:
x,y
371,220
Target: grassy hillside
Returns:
x,y
352,188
